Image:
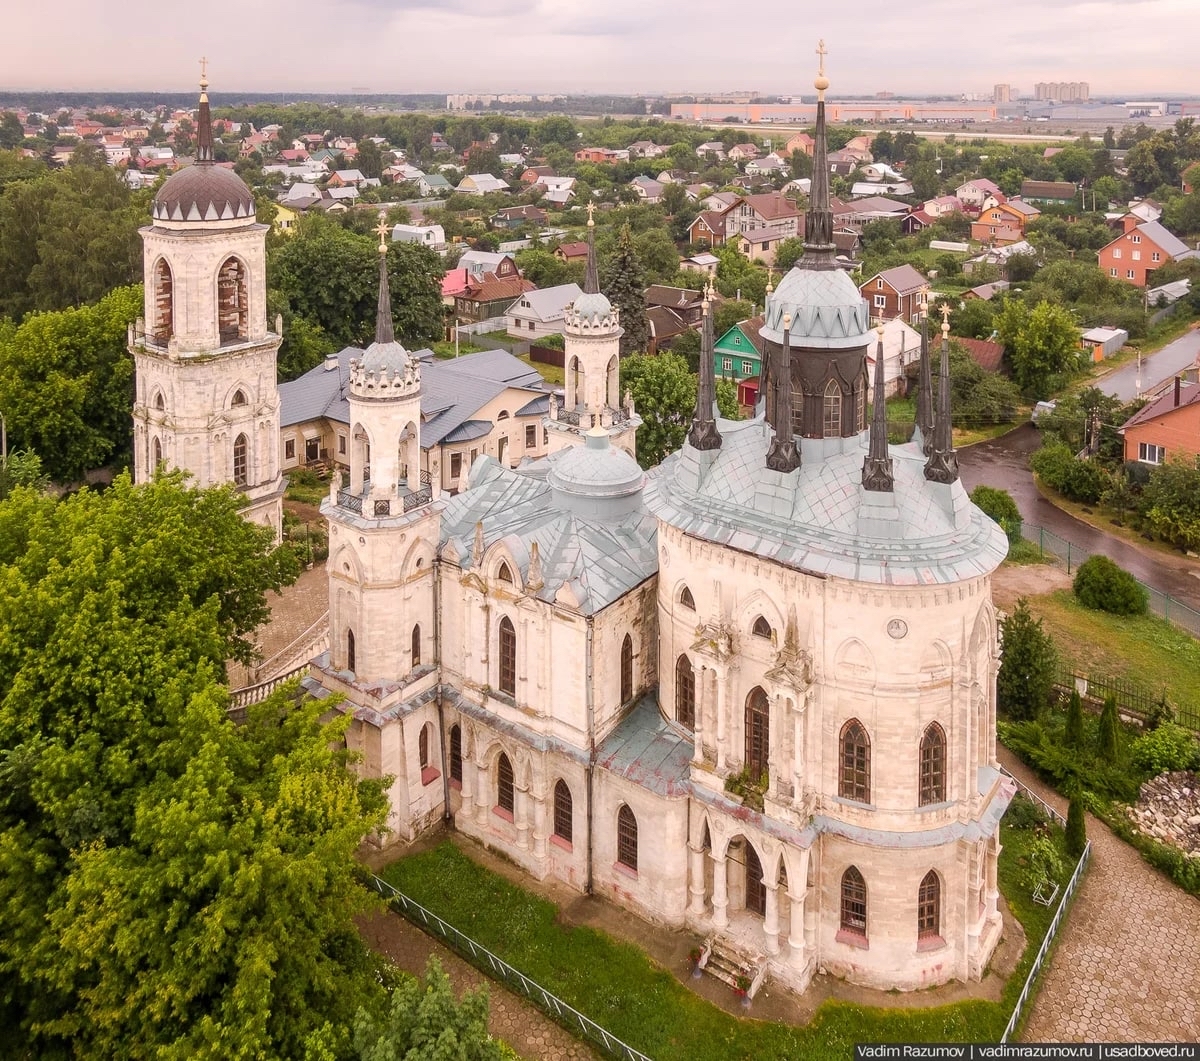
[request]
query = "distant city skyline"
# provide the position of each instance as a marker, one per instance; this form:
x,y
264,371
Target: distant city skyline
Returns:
x,y
625,47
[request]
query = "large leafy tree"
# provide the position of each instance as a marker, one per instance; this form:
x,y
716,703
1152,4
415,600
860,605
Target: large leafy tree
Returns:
x,y
664,394
171,884
66,384
624,282
1041,343
1171,502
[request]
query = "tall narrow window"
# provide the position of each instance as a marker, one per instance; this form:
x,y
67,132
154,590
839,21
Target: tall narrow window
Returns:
x,y
761,628
756,892
239,397
860,405
351,659
416,646
505,788
423,746
456,753
929,906
797,411
758,738
241,462
627,838
156,460
164,302
933,765
685,693
233,309
832,422
627,669
854,902
564,823
854,764
508,657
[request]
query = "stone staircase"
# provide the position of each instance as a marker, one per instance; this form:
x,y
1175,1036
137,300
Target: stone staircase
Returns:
x,y
727,963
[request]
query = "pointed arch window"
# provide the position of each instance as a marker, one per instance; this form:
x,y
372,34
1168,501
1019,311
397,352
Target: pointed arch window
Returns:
x,y
239,397
505,784
933,765
423,746
761,628
156,458
456,753
627,838
854,903
241,460
854,763
508,657
686,598
832,418
159,403
233,301
416,646
504,574
627,669
564,812
929,906
756,891
685,693
351,654
163,288
758,726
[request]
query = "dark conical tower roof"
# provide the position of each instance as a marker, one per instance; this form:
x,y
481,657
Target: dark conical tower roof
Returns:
x,y
384,332
877,465
942,463
204,137
819,249
704,434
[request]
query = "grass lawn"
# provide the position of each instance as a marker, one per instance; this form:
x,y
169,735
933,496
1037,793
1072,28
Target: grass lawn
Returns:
x,y
1152,651
445,348
623,990
306,487
550,373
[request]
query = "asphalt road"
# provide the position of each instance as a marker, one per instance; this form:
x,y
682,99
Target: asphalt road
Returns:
x,y
1159,366
1004,463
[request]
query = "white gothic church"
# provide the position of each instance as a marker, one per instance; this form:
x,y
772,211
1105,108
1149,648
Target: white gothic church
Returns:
x,y
749,693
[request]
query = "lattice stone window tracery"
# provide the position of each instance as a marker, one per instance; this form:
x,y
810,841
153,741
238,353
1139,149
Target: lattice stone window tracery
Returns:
x,y
854,763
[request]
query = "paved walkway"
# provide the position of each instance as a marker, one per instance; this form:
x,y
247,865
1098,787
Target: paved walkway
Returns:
x,y
293,611
1126,967
524,1027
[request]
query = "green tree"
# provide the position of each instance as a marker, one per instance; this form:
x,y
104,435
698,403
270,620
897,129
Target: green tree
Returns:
x,y
1171,502
1073,733
727,400
1027,664
370,159
11,132
730,312
1076,832
924,180
1041,343
1143,169
21,467
664,394
424,1022
625,284
788,253
1110,731
975,320
1000,506
66,384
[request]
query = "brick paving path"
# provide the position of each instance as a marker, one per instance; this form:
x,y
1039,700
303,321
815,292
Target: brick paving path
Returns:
x,y
292,612
1126,967
524,1027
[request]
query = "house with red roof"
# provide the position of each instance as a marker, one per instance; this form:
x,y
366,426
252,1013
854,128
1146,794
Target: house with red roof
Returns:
x,y
1168,427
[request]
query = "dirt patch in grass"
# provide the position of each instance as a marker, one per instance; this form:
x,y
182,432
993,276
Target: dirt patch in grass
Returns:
x,y
1011,582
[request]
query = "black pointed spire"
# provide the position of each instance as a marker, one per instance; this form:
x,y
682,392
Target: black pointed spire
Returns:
x,y
942,464
783,456
704,434
924,425
384,333
877,465
591,278
819,249
204,137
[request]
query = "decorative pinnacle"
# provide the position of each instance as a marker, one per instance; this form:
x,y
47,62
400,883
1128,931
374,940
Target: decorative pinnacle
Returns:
x,y
770,279
591,209
822,82
381,231
787,321
945,320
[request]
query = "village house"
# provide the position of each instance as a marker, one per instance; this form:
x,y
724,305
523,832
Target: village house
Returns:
x,y
481,184
901,293
1057,192
681,300
431,236
1004,223
743,152
1142,247
1169,427
648,190
974,193
665,325
602,155
571,252
737,355
541,312
516,216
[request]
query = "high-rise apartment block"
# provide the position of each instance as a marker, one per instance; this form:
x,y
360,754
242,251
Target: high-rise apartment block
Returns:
x,y
1062,91
1002,94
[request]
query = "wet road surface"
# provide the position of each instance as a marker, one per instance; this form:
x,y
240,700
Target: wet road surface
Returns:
x,y
1159,366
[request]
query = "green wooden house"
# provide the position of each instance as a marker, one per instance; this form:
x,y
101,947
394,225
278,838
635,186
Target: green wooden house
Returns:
x,y
737,355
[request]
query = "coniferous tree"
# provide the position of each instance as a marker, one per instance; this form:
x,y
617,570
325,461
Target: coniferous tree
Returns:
x,y
1076,838
1110,731
626,288
1073,735
1027,662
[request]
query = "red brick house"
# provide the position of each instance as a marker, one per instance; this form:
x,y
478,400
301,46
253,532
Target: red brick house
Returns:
x,y
896,293
1167,427
708,228
1141,248
1004,223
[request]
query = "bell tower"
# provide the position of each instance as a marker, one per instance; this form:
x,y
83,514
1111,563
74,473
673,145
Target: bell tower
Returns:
x,y
206,399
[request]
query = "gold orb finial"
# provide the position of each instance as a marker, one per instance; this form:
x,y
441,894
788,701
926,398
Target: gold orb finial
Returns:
x,y
591,209
822,82
770,279
879,329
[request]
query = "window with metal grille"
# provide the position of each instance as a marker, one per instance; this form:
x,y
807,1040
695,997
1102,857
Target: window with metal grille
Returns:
x,y
854,765
504,784
531,436
860,405
508,657
627,838
832,421
929,906
685,693
758,724
627,669
933,765
416,646
456,754
423,746
350,653
563,811
686,598
756,891
241,462
761,627
854,902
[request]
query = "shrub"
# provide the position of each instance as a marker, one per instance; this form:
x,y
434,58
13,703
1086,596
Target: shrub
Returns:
x,y
1103,586
1167,748
999,504
1073,734
1044,863
1076,480
1076,838
1109,744
1023,813
1027,662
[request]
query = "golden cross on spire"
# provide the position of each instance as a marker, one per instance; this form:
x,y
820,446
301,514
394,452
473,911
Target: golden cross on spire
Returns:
x,y
381,230
203,72
591,209
945,318
821,52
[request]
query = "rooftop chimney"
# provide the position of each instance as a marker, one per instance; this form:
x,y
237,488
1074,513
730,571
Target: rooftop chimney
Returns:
x,y
1177,378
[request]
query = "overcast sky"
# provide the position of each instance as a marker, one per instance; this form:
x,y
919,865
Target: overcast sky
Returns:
x,y
1125,47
